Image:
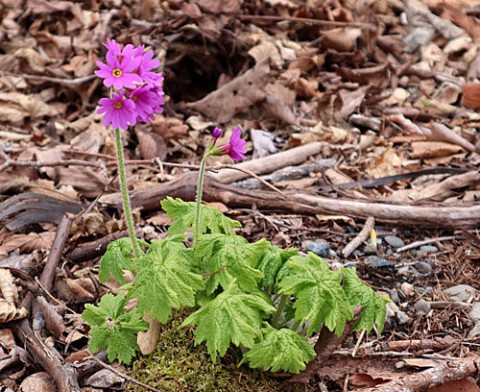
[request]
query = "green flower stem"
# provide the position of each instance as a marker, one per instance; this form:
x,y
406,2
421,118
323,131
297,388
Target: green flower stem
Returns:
x,y
278,313
198,199
127,210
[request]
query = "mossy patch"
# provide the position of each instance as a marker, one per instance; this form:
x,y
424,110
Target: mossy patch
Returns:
x,y
177,366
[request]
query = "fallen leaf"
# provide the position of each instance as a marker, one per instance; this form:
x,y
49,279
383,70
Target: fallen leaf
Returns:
x,y
464,385
38,382
53,321
240,93
428,149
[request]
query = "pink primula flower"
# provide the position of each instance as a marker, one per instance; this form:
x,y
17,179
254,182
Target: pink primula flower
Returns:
x,y
119,111
235,147
120,70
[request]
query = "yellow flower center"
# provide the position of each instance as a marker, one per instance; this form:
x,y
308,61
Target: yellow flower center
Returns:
x,y
134,98
117,72
118,105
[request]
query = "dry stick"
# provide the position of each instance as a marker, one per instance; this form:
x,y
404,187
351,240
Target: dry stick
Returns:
x,y
270,163
450,370
434,214
64,82
327,23
362,236
124,376
416,244
63,374
36,164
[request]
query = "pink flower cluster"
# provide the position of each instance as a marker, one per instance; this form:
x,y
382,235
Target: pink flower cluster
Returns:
x,y
136,90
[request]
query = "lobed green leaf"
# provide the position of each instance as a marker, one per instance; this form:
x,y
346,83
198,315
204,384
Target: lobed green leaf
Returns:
x,y
280,349
226,258
374,307
231,317
165,280
183,215
114,329
117,258
320,298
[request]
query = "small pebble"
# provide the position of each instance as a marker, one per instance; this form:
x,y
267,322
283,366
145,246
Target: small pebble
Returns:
x,y
475,312
423,268
320,248
475,331
459,293
426,250
407,289
394,311
394,241
378,262
422,307
393,294
404,271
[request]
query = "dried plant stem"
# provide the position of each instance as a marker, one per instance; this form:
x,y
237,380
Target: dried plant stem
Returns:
x,y
127,209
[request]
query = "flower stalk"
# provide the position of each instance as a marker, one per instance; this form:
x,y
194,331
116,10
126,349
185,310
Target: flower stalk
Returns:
x,y
127,209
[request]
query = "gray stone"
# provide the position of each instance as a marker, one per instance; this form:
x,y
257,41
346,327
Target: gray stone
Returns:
x,y
404,270
320,248
393,294
459,293
426,250
378,262
423,268
475,331
394,241
422,307
394,311
475,312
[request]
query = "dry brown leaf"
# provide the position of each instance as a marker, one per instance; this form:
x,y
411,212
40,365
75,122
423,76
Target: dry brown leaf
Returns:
x,y
38,382
152,145
343,39
365,380
7,287
351,101
147,341
170,128
428,149
9,312
264,50
464,385
219,6
342,218
17,108
387,164
7,339
27,243
471,95
85,181
240,93
53,321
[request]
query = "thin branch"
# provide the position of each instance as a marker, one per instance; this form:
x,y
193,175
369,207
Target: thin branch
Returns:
x,y
362,236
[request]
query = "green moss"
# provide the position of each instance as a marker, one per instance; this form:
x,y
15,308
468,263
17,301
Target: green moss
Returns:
x,y
177,365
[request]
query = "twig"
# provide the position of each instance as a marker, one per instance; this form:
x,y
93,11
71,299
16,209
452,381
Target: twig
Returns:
x,y
328,23
417,244
24,163
124,376
449,370
362,236
64,82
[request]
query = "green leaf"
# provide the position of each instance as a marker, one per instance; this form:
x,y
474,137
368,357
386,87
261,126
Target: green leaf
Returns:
x,y
165,280
320,298
117,258
114,329
280,349
231,317
271,262
374,307
227,258
183,215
